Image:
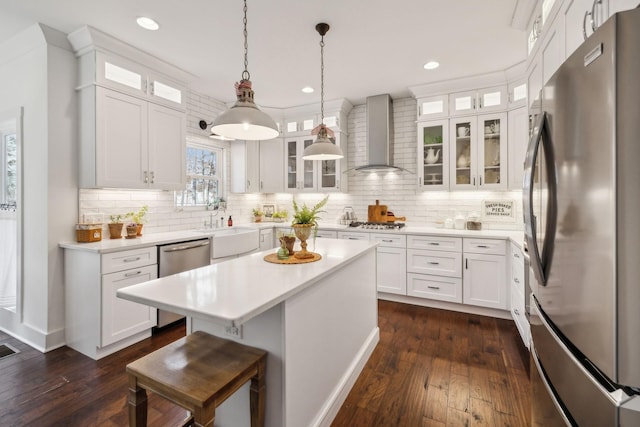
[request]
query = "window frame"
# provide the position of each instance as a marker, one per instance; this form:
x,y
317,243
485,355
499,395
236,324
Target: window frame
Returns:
x,y
203,144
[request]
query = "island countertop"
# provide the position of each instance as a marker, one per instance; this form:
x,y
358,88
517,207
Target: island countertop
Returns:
x,y
232,292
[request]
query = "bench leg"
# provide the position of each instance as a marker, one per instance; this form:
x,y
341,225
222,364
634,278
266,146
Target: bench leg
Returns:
x,y
137,404
258,395
204,417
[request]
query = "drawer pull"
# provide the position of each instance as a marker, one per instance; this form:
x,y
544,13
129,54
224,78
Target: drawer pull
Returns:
x,y
515,310
515,279
133,273
516,255
483,246
353,238
433,263
437,288
387,240
132,259
434,243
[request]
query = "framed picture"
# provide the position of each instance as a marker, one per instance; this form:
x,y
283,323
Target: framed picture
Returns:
x,y
498,211
268,210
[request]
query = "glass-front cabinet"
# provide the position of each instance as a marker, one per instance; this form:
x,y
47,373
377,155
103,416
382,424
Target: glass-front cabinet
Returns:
x,y
478,155
300,174
433,155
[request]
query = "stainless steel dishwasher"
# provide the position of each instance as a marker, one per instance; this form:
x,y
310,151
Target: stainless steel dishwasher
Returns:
x,y
176,258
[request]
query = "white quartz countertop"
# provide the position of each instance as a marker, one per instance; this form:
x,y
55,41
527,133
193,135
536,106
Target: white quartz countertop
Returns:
x,y
232,292
113,245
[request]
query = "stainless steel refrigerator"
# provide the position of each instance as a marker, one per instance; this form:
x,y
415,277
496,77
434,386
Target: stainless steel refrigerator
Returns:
x,y
581,195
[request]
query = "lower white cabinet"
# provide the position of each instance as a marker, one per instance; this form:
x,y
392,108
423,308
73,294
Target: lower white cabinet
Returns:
x,y
327,234
266,239
484,277
434,287
391,265
97,322
122,318
518,294
353,235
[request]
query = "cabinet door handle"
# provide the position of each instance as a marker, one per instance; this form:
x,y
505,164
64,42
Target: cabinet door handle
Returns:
x,y
136,258
433,263
420,181
474,181
515,279
153,177
261,185
516,255
434,287
434,243
515,310
151,89
132,273
482,246
146,177
338,183
466,263
144,85
480,180
474,103
353,238
387,240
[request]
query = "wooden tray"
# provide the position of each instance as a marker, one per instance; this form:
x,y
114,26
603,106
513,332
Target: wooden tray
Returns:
x,y
292,259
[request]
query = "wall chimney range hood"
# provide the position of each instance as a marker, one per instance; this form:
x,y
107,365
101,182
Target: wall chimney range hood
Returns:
x,y
379,136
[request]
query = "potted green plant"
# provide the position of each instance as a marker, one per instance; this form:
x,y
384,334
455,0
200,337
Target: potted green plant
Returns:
x,y
132,230
306,219
257,214
139,218
280,216
287,240
115,226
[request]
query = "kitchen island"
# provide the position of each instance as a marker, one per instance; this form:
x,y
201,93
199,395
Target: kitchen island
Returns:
x,y
317,321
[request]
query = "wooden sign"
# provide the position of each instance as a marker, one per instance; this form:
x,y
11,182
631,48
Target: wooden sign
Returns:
x,y
498,211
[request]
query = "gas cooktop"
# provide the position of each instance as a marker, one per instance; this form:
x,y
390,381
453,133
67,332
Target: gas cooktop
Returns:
x,y
377,225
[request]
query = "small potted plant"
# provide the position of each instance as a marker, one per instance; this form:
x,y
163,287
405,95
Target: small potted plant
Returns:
x,y
257,214
280,216
115,226
139,218
287,240
132,230
304,220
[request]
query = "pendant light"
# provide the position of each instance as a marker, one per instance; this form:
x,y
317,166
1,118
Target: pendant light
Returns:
x,y
244,120
322,148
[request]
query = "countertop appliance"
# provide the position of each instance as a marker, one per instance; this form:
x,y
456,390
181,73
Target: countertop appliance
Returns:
x,y
176,258
581,206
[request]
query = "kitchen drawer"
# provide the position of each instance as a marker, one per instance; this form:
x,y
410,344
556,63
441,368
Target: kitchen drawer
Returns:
x,y
450,244
390,240
434,287
438,263
517,275
352,235
132,258
485,246
519,316
327,234
516,254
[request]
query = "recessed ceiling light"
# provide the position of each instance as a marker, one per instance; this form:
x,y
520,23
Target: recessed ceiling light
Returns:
x,y
431,65
307,89
147,23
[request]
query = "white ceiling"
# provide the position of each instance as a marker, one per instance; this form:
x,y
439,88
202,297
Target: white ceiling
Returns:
x,y
373,46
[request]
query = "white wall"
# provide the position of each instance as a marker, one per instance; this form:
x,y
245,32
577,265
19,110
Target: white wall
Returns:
x,y
37,72
397,190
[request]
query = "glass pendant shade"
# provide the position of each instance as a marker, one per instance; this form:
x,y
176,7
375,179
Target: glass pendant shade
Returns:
x,y
322,148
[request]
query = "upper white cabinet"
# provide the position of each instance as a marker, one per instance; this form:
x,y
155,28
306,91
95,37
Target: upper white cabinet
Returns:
x,y
484,100
433,155
256,166
433,107
127,76
478,152
130,143
518,92
518,139
132,115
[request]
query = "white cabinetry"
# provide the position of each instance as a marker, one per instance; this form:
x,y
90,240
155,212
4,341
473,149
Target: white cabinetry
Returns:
x,y
132,116
256,166
615,6
478,101
391,266
267,240
436,272
518,138
327,234
484,282
311,175
517,294
353,235
433,107
97,322
478,152
433,155
552,49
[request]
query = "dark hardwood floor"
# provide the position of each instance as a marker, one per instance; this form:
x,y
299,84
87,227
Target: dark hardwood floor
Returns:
x,y
441,368
431,368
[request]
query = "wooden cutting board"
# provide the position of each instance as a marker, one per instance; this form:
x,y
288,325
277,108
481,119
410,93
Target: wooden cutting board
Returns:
x,y
392,218
377,212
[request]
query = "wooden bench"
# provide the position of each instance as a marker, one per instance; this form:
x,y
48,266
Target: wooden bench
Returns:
x,y
198,372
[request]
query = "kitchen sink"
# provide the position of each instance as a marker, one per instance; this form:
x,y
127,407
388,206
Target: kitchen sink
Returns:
x,y
234,241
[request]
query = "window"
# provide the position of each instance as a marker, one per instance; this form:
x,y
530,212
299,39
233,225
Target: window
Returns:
x,y
204,175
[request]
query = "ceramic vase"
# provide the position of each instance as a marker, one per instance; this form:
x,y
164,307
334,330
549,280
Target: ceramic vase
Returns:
x,y
302,232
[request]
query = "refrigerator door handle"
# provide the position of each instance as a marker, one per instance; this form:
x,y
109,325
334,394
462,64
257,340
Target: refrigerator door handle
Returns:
x,y
540,257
